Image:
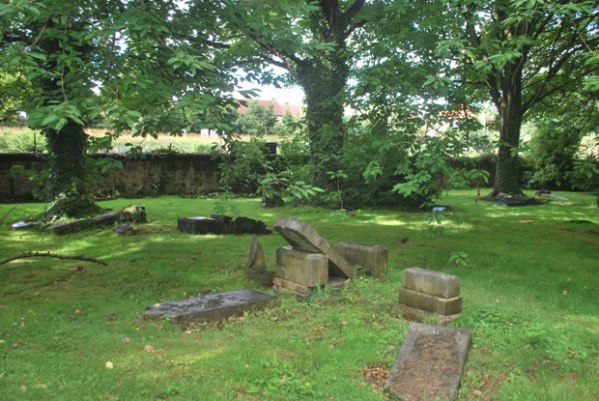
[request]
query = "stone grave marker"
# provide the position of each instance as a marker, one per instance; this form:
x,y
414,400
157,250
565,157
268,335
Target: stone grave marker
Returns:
x,y
374,258
210,307
302,237
429,294
256,257
221,224
430,363
307,269
134,214
257,265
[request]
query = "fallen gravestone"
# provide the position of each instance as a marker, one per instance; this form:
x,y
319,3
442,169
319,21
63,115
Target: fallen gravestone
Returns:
x,y
373,258
426,294
133,214
210,307
219,224
430,363
124,229
302,237
257,265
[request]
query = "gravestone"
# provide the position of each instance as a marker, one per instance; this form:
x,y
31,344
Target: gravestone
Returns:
x,y
430,363
429,294
257,265
210,307
221,224
302,237
374,258
134,214
307,269
256,257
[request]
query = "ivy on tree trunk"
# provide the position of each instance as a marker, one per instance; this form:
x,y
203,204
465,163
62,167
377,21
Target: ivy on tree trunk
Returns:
x,y
67,188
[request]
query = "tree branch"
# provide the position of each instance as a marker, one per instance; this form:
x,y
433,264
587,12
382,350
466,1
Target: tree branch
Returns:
x,y
51,255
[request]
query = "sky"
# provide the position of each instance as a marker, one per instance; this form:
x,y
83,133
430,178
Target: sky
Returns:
x,y
294,95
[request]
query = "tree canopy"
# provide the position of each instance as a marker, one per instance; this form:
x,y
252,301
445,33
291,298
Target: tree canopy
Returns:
x,y
160,66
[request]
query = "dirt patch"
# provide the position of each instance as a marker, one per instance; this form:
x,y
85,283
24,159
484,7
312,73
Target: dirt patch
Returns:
x,y
376,374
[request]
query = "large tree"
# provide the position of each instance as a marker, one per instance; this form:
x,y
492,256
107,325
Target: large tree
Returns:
x,y
309,39
523,53
137,65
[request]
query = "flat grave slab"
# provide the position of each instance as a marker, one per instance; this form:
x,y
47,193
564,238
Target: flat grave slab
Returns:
x,y
302,237
430,363
210,307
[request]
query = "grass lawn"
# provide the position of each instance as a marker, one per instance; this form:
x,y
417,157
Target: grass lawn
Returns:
x,y
530,291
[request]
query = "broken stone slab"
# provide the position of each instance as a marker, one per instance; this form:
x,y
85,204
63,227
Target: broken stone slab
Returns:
x,y
302,237
431,282
374,258
199,225
221,224
309,269
136,214
124,229
256,259
430,363
210,307
430,303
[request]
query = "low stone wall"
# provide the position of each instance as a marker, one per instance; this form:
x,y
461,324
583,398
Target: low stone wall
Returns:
x,y
147,175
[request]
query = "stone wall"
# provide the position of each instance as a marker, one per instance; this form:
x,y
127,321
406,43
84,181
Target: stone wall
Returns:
x,y
147,175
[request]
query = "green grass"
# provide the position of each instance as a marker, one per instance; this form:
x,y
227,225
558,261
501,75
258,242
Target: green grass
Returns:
x,y
530,292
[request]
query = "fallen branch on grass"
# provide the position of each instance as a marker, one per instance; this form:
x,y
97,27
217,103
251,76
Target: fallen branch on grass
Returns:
x,y
51,255
6,215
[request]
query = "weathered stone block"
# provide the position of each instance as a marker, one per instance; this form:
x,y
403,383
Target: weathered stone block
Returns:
x,y
210,307
304,238
256,256
430,303
372,257
309,269
199,225
430,363
431,282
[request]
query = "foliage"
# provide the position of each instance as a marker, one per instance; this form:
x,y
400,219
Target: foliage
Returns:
x,y
523,53
255,120
22,141
553,151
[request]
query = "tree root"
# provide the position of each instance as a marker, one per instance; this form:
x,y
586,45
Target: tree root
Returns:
x,y
51,255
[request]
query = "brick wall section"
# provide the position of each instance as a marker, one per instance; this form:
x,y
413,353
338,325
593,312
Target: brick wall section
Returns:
x,y
182,174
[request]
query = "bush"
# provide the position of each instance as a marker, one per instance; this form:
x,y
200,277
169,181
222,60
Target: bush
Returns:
x,y
552,153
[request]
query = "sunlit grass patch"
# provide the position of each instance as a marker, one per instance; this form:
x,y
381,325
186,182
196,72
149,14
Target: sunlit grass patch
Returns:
x,y
530,290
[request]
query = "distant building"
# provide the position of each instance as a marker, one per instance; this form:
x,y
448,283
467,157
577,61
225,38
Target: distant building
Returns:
x,y
279,109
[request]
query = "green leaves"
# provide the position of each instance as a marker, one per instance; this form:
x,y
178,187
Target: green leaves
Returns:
x,y
55,117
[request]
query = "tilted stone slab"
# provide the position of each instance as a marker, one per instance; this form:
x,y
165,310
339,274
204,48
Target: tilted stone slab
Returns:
x,y
210,307
430,363
374,258
431,282
303,237
430,303
309,269
256,256
135,214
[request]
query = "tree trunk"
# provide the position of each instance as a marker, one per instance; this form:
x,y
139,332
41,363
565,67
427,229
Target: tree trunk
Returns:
x,y
67,189
68,194
324,86
507,173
